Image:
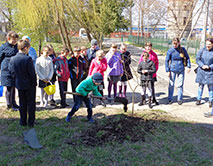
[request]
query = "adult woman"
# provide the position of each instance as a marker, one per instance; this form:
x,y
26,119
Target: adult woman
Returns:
x,y
176,60
204,59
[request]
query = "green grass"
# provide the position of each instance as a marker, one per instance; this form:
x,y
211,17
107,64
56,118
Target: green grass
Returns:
x,y
172,143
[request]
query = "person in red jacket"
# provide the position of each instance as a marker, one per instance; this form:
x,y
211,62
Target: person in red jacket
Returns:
x,y
63,73
153,57
99,65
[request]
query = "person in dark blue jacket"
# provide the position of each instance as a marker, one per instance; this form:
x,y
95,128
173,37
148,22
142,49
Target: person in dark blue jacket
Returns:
x,y
91,52
22,69
177,59
204,60
8,50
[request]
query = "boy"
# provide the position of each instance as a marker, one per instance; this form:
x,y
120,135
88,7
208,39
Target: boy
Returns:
x,y
84,88
76,68
84,55
22,69
146,68
62,71
8,50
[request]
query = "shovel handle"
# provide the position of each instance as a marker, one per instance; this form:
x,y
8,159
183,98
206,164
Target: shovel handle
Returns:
x,y
74,93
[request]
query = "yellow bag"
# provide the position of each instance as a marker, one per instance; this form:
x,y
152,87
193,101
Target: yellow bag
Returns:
x,y
50,89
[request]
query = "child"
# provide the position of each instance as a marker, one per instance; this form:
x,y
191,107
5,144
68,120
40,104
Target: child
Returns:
x,y
22,68
44,70
84,88
146,68
115,69
62,71
153,57
126,58
99,65
52,55
84,55
91,52
76,68
8,50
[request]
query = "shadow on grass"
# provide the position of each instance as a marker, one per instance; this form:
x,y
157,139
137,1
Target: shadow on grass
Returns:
x,y
151,138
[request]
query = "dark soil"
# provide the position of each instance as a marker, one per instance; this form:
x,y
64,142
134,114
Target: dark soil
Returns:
x,y
115,128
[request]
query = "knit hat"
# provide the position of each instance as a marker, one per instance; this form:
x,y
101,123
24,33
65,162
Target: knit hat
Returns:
x,y
97,77
94,42
26,37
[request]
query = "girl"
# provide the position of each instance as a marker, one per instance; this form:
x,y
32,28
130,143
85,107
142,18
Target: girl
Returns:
x,y
153,57
115,69
146,68
44,70
99,65
126,58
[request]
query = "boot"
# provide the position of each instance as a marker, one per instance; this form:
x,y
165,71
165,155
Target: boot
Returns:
x,y
142,100
150,102
155,101
120,90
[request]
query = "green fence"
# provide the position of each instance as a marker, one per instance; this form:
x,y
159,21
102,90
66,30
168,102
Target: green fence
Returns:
x,y
192,46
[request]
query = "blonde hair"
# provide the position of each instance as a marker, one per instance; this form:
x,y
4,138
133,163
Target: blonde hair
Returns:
x,y
99,53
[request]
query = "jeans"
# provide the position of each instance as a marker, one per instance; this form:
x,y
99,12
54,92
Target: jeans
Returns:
x,y
180,81
200,91
78,103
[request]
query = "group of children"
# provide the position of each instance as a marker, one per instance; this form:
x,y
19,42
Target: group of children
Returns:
x,y
85,68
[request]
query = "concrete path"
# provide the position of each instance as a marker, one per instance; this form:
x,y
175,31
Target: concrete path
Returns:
x,y
188,110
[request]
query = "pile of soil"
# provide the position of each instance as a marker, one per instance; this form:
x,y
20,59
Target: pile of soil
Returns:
x,y
116,128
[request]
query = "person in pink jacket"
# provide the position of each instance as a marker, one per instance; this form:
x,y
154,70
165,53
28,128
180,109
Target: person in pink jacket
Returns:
x,y
99,65
153,57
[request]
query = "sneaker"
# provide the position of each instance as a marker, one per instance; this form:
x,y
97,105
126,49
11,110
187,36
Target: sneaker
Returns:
x,y
91,120
180,102
14,109
198,102
15,106
68,118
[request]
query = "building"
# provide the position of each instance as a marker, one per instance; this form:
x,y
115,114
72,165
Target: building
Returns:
x,y
179,11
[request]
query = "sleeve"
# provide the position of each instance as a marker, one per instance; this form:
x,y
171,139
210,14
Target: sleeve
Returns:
x,y
33,54
51,70
31,71
91,68
198,58
141,59
187,58
103,65
152,68
11,67
37,69
156,62
96,92
167,61
2,54
139,69
57,68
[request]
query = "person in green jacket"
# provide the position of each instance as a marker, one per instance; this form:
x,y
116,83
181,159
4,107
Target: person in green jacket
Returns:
x,y
84,88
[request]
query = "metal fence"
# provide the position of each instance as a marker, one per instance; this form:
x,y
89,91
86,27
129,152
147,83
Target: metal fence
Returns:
x,y
192,46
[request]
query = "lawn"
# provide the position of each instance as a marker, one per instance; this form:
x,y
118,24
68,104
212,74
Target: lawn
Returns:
x,y
150,138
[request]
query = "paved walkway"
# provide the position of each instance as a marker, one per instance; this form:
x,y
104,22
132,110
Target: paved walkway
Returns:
x,y
188,110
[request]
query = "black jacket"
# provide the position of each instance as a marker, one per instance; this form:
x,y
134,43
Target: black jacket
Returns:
x,y
76,67
148,65
22,69
6,52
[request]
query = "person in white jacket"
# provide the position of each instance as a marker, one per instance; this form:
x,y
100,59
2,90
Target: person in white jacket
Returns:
x,y
44,70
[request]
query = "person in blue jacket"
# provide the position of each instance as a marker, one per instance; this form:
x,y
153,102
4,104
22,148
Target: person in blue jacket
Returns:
x,y
91,52
8,50
22,69
177,59
204,59
32,52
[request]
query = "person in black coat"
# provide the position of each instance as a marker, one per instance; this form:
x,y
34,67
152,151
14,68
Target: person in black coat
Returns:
x,y
8,50
22,69
126,60
146,68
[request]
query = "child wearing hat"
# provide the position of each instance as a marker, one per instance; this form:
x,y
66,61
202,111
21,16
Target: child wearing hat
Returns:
x,y
84,88
146,68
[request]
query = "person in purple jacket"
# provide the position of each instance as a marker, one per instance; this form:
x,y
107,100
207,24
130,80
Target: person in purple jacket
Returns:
x,y
115,69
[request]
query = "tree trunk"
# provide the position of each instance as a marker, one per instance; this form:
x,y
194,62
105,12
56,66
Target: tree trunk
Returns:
x,y
39,47
67,37
88,35
130,17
